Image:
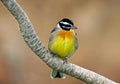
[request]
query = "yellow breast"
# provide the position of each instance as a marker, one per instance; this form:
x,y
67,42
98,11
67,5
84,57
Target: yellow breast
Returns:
x,y
63,43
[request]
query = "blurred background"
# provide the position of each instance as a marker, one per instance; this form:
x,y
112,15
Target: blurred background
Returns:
x,y
98,23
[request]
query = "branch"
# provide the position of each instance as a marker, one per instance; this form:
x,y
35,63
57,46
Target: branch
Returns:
x,y
39,49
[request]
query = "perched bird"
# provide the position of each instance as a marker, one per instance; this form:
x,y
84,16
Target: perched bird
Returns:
x,y
63,42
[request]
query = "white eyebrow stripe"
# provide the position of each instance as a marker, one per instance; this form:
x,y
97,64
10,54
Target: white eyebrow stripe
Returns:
x,y
64,22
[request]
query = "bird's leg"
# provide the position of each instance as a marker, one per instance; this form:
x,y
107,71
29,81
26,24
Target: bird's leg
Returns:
x,y
65,60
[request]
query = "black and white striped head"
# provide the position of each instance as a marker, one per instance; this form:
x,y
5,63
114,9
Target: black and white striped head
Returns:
x,y
65,24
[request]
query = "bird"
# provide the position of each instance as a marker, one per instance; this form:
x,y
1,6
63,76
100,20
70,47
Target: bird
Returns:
x,y
63,42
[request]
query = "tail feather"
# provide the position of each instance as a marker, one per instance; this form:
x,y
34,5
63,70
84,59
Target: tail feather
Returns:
x,y
57,74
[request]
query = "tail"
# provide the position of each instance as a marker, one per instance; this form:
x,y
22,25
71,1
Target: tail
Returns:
x,y
57,74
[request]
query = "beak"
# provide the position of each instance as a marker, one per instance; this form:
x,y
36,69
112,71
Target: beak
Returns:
x,y
74,27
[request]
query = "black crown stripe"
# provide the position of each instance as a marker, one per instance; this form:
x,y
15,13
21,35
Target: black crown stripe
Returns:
x,y
67,20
